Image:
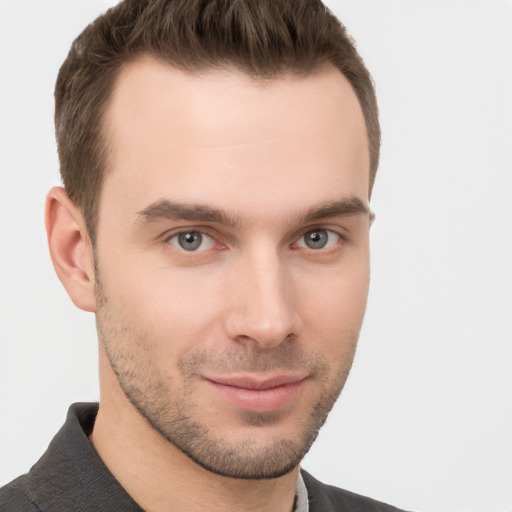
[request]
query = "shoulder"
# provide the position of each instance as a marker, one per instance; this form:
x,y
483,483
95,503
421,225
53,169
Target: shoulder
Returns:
x,y
324,497
14,497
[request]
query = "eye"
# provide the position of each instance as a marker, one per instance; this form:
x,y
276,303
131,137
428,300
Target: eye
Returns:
x,y
191,241
319,239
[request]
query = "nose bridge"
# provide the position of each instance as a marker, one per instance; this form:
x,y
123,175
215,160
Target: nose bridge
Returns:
x,y
263,309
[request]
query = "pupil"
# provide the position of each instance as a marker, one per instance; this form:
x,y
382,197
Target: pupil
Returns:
x,y
190,241
316,239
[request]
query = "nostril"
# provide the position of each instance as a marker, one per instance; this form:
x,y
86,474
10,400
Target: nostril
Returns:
x,y
264,334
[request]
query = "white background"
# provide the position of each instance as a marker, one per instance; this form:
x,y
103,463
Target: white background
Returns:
x,y
425,421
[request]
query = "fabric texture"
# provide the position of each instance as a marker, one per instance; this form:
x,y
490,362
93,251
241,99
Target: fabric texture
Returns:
x,y
71,476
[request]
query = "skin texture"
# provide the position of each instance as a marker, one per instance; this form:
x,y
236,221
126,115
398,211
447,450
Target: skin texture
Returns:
x,y
251,175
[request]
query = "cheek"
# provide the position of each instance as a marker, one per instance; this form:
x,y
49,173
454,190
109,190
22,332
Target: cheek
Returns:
x,y
333,316
174,311
336,301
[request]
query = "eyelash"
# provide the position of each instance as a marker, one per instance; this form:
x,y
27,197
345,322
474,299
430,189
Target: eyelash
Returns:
x,y
202,234
339,240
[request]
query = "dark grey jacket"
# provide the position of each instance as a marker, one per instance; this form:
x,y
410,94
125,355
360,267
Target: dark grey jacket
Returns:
x,y
71,477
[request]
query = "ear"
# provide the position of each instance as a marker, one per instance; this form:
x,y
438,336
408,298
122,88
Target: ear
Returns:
x,y
372,218
70,248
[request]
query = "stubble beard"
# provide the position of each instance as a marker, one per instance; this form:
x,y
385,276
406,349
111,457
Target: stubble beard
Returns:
x,y
173,413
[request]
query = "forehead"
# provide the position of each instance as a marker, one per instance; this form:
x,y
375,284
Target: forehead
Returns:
x,y
203,135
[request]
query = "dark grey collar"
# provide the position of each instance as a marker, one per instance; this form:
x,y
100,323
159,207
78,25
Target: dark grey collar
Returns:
x,y
71,475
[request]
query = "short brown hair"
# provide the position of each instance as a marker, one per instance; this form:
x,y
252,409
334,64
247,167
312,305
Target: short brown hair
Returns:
x,y
263,38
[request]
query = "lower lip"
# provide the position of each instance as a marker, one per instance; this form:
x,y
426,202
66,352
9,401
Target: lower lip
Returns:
x,y
260,400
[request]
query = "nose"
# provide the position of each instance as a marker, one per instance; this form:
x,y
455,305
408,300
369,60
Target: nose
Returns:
x,y
263,303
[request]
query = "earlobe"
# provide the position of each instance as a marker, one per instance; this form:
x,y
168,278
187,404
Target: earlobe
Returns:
x,y
70,248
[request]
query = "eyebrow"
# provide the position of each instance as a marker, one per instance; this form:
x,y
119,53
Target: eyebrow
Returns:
x,y
164,209
169,210
341,208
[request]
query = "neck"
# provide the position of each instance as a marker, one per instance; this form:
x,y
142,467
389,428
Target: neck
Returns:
x,y
159,477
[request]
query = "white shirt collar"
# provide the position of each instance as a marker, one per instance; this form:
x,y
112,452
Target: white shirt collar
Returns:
x,y
302,503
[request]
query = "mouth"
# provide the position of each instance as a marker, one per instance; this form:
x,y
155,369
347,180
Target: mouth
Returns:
x,y
258,393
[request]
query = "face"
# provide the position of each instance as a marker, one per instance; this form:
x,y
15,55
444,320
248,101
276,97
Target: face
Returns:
x,y
232,258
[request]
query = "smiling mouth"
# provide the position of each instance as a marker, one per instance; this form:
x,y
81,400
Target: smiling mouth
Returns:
x,y
258,394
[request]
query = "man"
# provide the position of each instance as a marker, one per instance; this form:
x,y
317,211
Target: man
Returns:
x,y
218,159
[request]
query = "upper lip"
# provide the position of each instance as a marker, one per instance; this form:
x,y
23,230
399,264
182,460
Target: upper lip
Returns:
x,y
255,381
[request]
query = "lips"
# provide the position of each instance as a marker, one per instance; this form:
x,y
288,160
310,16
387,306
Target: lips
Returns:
x,y
258,393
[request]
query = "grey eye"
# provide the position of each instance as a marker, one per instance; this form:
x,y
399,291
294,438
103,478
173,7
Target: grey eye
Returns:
x,y
319,239
190,241
316,239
